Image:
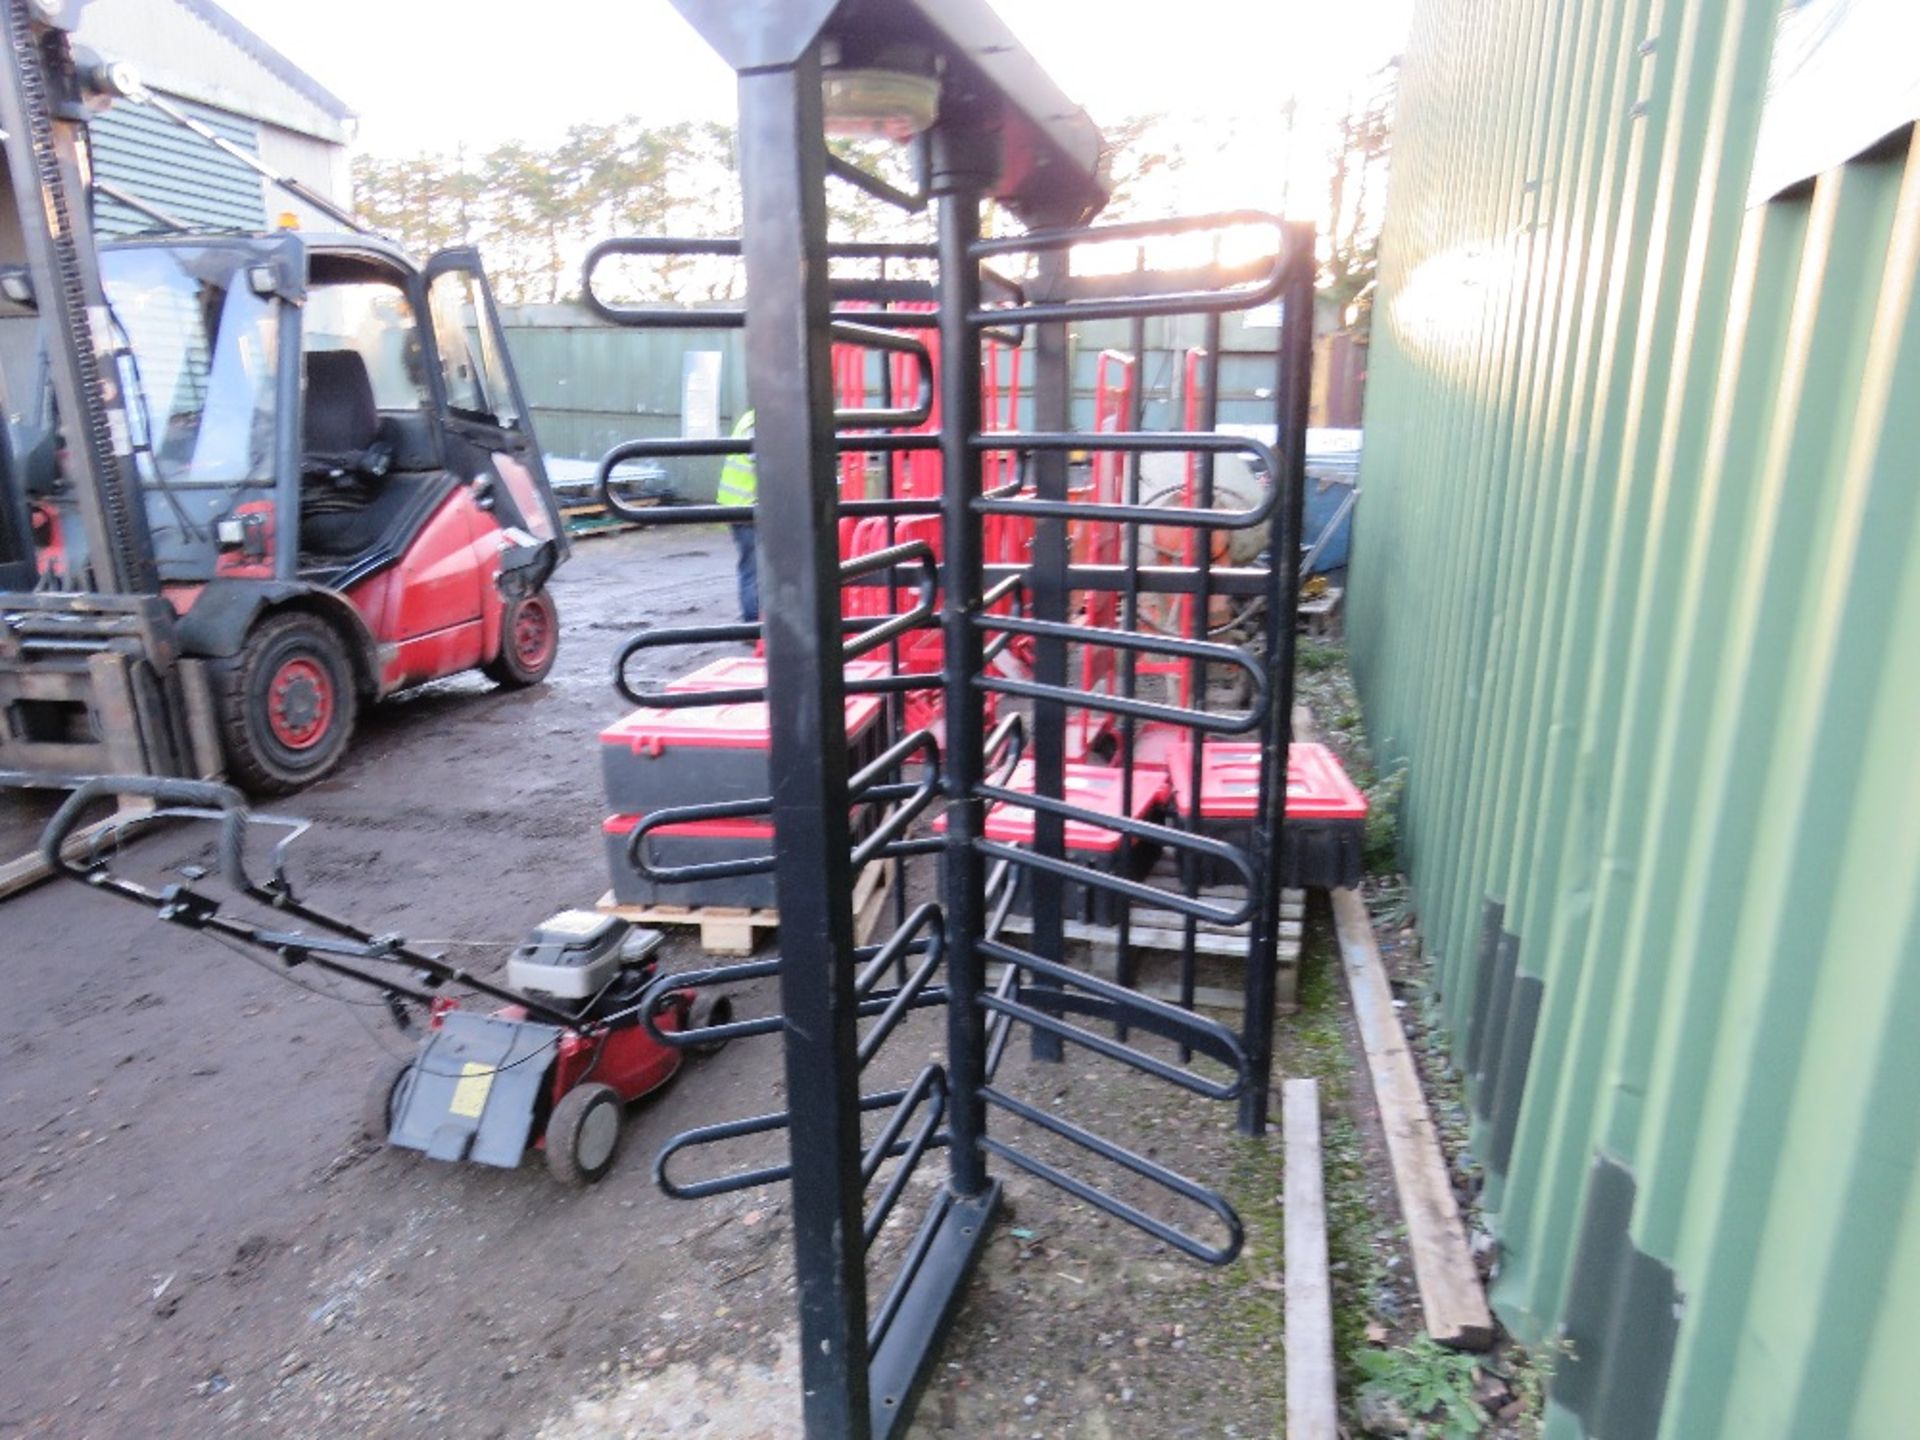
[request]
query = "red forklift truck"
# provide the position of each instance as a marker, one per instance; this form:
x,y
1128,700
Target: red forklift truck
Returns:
x,y
303,477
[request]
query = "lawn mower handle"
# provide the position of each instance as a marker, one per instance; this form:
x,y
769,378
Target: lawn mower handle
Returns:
x,y
199,794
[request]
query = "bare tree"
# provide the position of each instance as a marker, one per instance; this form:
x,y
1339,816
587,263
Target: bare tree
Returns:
x,y
1356,201
534,211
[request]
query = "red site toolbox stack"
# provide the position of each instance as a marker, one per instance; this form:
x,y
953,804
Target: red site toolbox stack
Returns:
x,y
749,672
1323,842
658,758
1099,788
695,842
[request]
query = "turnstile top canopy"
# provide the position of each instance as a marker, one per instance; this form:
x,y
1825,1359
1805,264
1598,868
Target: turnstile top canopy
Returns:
x,y
1051,168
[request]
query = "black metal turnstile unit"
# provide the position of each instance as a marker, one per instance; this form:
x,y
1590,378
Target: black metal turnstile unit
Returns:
x,y
1011,631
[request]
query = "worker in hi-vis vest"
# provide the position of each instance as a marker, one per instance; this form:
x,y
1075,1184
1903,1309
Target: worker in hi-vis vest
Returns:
x,y
739,485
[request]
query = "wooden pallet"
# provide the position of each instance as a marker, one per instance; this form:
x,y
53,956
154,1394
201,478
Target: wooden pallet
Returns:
x,y
724,929
1317,614
736,930
1155,933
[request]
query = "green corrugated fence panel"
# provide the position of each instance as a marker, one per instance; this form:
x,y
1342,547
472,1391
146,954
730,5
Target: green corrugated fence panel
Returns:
x,y
1636,599
591,385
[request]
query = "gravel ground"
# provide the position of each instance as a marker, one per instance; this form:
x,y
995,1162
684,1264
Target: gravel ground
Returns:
x,y
196,1242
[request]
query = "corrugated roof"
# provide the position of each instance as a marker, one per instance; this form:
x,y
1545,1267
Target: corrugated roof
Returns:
x,y
269,58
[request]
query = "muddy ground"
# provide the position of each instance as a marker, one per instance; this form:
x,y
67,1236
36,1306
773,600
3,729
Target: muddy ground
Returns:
x,y
196,1241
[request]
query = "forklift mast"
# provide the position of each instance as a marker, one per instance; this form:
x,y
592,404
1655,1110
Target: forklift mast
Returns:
x,y
91,679
43,104
17,568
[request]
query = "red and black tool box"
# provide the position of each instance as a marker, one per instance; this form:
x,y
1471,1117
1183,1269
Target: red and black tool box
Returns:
x,y
705,754
696,842
1090,787
924,652
749,672
1324,839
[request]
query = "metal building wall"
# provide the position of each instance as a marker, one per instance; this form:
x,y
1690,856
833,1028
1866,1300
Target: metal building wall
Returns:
x,y
141,151
1636,599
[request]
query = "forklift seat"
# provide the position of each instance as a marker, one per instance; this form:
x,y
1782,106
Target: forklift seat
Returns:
x,y
365,483
341,419
348,500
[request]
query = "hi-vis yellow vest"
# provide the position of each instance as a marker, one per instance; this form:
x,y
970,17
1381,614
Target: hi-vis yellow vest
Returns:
x,y
738,483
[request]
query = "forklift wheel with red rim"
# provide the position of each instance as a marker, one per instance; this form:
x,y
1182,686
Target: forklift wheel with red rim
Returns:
x,y
583,1133
529,640
287,703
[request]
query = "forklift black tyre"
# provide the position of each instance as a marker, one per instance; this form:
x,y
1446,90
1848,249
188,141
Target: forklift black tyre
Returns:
x,y
710,1010
529,641
286,702
583,1133
383,1099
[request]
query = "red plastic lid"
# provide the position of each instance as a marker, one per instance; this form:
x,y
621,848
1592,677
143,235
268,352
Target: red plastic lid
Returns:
x,y
923,651
746,672
1091,787
650,731
1156,743
1317,785
747,829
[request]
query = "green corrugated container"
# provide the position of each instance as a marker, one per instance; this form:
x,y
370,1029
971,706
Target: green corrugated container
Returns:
x,y
591,384
1635,598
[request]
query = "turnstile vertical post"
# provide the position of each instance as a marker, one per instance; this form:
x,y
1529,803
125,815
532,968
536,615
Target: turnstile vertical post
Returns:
x,y
962,166
789,381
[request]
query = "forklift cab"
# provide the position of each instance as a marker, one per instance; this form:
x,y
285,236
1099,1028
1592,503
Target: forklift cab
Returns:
x,y
342,486
403,382
300,407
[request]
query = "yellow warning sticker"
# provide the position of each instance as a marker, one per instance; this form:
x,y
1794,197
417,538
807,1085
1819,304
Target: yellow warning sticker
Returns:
x,y
470,1094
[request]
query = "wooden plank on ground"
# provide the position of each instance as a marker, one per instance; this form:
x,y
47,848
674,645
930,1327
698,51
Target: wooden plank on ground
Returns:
x,y
1450,1290
30,869
1312,1413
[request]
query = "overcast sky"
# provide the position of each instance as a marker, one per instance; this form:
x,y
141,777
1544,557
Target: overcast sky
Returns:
x,y
435,74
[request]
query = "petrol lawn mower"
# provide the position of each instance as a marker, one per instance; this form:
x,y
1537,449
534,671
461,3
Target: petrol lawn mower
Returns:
x,y
586,1022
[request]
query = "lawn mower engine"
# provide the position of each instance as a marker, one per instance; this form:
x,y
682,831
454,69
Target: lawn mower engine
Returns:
x,y
484,1087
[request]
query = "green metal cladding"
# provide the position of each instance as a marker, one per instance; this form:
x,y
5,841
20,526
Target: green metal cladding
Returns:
x,y
1635,599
